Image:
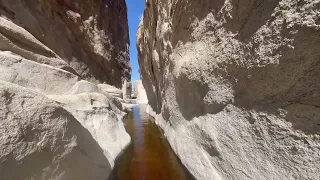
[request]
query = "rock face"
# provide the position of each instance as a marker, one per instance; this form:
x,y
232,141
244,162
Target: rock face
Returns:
x,y
82,33
236,85
54,123
42,140
139,92
126,90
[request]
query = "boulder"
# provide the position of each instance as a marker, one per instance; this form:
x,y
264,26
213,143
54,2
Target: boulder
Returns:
x,y
102,116
42,140
111,90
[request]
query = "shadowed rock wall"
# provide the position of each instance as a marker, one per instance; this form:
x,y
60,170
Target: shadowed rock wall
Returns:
x,y
91,36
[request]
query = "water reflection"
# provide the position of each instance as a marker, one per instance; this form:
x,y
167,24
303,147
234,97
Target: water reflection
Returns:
x,y
149,157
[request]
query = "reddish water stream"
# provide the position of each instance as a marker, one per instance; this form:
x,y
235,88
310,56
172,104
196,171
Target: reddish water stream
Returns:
x,y
149,157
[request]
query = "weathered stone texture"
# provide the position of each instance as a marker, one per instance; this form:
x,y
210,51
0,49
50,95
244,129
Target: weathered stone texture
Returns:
x,y
236,85
91,36
54,123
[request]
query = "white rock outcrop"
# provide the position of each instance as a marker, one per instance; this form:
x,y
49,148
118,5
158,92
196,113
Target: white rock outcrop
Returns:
x,y
72,101
111,90
139,93
42,140
235,85
101,115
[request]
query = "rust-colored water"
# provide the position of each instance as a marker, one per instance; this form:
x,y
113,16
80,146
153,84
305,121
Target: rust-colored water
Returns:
x,y
149,157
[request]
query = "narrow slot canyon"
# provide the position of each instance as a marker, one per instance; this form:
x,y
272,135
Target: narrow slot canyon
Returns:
x,y
159,90
149,156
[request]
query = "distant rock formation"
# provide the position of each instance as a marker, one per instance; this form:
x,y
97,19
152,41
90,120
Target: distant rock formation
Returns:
x,y
126,90
54,123
236,85
139,93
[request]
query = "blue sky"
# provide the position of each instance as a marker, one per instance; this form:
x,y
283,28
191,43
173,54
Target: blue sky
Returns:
x,y
135,10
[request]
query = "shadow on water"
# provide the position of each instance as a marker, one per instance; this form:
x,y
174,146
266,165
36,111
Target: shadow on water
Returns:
x,y
149,156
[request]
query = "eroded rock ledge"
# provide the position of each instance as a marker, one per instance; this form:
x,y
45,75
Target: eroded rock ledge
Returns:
x,y
236,85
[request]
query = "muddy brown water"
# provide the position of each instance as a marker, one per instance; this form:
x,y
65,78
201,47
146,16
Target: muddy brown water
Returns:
x,y
149,156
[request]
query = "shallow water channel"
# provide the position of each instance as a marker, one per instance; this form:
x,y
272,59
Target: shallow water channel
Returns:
x,y
149,156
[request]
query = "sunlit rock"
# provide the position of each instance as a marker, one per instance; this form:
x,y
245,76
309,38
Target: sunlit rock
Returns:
x,y
139,93
42,140
235,85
